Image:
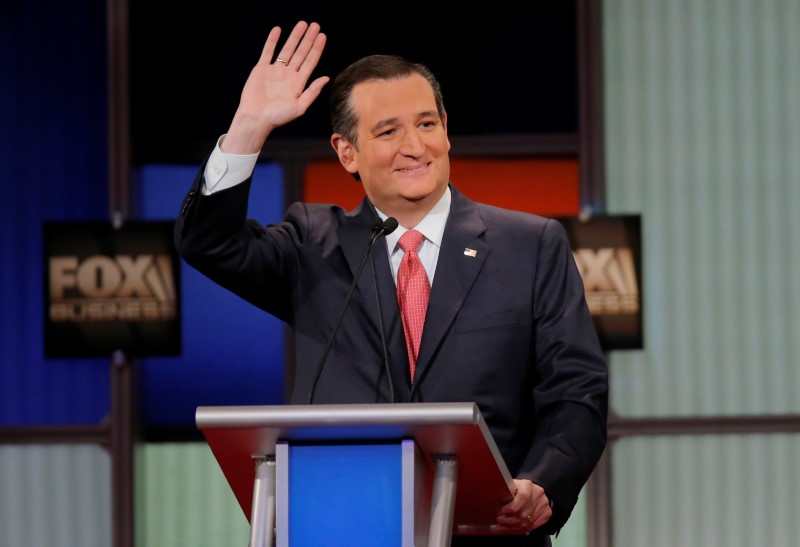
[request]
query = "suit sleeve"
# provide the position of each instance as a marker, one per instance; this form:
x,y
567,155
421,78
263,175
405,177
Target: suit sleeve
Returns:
x,y
571,396
214,236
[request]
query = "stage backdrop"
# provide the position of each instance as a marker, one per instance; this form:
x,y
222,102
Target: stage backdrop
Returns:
x,y
232,352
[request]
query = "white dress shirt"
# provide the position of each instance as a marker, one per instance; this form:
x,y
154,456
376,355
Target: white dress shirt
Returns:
x,y
432,227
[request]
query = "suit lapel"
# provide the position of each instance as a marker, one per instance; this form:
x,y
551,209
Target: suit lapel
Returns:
x,y
354,235
461,258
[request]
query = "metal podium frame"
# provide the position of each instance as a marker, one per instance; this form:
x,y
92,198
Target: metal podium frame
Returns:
x,y
451,463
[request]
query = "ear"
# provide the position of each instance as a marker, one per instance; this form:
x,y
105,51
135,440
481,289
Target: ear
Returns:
x,y
444,124
346,151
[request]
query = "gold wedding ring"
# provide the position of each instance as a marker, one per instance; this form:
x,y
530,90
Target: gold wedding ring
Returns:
x,y
279,60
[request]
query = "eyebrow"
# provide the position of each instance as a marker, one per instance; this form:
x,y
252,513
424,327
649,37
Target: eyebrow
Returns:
x,y
392,121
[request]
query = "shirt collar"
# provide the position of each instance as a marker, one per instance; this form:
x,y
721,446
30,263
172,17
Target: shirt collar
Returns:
x,y
432,226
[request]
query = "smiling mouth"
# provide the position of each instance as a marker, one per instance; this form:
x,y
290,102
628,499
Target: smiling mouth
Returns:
x,y
413,169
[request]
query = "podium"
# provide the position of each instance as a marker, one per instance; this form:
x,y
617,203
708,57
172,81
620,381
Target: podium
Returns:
x,y
408,474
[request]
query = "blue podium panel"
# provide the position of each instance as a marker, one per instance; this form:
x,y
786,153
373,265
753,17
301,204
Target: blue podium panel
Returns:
x,y
345,495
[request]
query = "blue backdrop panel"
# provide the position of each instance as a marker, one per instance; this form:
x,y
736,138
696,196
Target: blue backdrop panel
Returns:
x,y
232,351
53,149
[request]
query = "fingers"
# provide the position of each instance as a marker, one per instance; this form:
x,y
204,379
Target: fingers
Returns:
x,y
312,92
524,523
287,51
302,50
528,510
310,50
269,45
298,43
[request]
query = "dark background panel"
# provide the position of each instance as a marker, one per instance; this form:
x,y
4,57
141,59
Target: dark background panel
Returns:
x,y
510,69
53,147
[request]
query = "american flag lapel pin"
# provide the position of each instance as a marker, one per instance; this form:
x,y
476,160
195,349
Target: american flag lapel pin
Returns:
x,y
470,252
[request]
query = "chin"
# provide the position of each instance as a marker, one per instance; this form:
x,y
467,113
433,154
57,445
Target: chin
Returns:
x,y
417,196
420,188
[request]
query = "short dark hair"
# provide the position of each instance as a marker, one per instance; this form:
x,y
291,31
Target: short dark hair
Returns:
x,y
372,67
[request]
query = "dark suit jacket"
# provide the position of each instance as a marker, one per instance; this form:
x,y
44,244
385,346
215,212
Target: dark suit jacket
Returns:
x,y
507,325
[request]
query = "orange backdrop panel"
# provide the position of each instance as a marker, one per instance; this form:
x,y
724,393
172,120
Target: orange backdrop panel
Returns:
x,y
546,186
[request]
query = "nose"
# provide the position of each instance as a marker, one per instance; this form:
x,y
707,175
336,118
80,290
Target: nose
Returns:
x,y
412,145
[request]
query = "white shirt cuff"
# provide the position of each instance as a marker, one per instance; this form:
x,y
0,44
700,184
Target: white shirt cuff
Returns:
x,y
225,170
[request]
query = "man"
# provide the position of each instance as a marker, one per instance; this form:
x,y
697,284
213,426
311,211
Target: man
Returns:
x,y
506,325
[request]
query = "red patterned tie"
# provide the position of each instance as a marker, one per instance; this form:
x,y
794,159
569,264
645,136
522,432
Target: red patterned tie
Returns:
x,y
413,290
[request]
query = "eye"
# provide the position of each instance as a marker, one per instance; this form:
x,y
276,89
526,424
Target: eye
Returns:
x,y
387,133
427,124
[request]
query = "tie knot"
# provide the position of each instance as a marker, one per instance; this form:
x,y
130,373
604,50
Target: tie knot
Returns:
x,y
410,241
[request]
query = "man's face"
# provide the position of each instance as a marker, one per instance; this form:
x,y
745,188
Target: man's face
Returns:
x,y
402,155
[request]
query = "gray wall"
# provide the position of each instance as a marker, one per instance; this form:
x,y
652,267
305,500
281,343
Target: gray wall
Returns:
x,y
702,108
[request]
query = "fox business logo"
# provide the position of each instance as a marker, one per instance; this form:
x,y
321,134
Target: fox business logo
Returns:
x,y
609,279
106,288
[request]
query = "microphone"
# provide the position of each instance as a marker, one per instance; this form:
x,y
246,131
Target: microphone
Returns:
x,y
390,225
378,229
